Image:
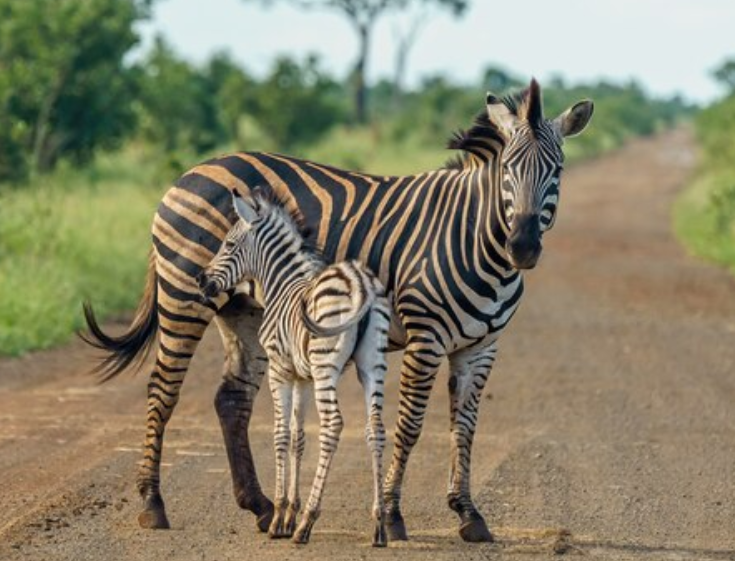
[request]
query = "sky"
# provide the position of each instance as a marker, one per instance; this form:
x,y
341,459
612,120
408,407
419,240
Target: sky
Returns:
x,y
669,46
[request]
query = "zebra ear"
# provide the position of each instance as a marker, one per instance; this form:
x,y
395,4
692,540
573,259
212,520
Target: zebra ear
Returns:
x,y
500,116
244,207
574,120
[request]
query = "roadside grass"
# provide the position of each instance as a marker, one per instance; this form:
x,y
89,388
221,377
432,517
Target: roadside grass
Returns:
x,y
703,221
70,236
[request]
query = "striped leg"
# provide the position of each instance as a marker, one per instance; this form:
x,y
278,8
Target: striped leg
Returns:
x,y
281,384
418,371
372,383
469,373
243,373
371,368
330,428
172,361
301,398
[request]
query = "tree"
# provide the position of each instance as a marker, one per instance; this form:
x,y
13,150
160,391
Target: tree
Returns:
x,y
65,90
725,74
298,103
177,108
363,15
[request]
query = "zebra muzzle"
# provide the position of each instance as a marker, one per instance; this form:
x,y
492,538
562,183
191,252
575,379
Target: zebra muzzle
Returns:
x,y
207,285
524,243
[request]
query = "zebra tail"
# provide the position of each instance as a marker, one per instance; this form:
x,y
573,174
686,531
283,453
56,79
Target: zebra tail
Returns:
x,y
122,350
321,331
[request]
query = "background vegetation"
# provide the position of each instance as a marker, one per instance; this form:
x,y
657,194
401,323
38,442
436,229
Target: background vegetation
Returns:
x,y
90,137
704,216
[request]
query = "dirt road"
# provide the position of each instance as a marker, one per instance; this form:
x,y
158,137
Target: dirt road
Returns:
x,y
608,430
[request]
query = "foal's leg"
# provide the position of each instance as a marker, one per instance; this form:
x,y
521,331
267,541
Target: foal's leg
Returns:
x,y
301,397
372,366
281,386
330,428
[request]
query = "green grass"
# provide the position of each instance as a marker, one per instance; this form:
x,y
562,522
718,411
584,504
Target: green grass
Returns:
x,y
71,236
703,219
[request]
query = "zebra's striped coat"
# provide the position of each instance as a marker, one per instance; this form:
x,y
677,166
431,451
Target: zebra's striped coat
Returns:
x,y
448,245
265,246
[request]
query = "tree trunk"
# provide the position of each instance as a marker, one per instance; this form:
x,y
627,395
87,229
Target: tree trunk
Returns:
x,y
358,74
405,45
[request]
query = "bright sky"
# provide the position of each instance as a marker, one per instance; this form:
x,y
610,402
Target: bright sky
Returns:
x,y
670,46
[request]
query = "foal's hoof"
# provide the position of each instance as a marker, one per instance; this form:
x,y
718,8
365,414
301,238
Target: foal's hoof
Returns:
x,y
277,528
153,519
396,527
302,535
380,538
303,532
475,530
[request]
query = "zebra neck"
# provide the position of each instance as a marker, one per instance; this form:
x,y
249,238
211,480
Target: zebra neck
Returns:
x,y
490,229
286,271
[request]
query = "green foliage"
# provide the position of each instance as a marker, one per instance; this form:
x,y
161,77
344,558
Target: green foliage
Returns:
x,y
705,214
297,104
725,74
64,89
69,238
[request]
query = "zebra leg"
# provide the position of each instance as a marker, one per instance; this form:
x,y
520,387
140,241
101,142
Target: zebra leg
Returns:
x,y
371,368
302,396
172,362
282,392
330,428
243,374
418,371
469,373
372,383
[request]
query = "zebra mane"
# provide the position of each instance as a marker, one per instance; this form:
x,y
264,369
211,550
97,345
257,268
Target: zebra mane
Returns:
x,y
482,133
269,204
525,104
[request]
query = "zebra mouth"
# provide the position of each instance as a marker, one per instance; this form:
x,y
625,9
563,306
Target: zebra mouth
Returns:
x,y
525,257
526,263
207,286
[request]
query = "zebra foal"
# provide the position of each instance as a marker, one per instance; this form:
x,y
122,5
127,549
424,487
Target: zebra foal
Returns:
x,y
316,319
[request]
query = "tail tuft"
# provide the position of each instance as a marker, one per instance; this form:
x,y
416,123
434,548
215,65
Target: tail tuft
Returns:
x,y
135,343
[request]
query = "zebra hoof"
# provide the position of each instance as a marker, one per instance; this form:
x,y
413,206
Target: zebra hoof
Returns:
x,y
396,527
153,515
277,529
380,538
263,522
264,519
475,531
153,519
303,534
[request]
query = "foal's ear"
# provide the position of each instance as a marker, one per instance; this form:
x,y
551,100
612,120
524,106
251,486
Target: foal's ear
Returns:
x,y
245,207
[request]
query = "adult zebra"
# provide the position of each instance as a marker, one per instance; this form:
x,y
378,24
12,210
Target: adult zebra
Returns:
x,y
449,245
